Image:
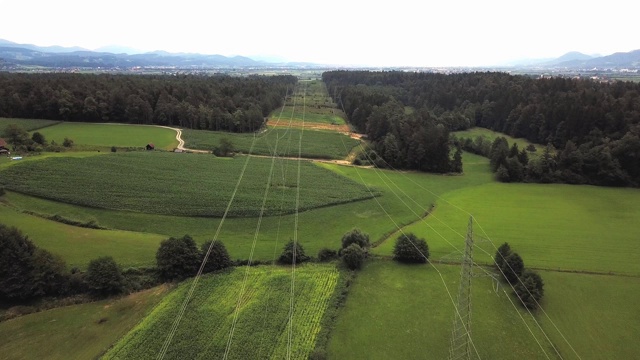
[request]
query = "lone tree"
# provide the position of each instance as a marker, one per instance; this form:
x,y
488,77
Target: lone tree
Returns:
x,y
530,289
353,256
501,254
512,268
104,276
224,149
218,257
411,249
178,258
292,252
38,138
355,236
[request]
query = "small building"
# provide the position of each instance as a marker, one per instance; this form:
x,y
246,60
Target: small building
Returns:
x,y
150,146
3,144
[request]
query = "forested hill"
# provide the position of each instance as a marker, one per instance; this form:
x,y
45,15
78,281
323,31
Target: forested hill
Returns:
x,y
595,126
237,104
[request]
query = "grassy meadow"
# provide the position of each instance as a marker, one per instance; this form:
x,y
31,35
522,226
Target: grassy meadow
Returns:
x,y
104,136
490,135
78,245
80,332
398,311
563,227
261,306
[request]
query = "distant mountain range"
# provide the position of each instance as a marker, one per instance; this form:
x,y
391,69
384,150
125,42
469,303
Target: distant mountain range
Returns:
x,y
111,57
14,54
578,60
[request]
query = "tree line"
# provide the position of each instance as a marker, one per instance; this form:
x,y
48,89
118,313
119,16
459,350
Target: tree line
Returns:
x,y
593,127
237,104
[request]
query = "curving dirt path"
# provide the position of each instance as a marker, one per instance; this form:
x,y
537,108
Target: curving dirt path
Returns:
x,y
181,142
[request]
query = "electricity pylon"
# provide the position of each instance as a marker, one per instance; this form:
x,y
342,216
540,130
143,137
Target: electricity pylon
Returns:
x,y
461,332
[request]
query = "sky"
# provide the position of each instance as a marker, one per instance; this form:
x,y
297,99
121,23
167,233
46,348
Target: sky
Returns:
x,y
339,32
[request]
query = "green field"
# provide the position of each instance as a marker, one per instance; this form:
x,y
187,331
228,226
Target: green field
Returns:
x,y
314,232
104,136
404,312
27,124
577,228
491,135
319,115
76,332
79,245
181,184
262,312
315,144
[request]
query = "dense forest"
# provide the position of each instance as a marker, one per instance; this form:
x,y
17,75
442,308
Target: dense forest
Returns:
x,y
592,129
237,104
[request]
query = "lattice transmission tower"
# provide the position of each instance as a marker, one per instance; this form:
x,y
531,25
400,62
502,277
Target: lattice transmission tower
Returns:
x,y
460,347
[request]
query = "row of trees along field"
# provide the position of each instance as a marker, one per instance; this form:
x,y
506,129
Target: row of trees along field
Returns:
x,y
596,126
237,104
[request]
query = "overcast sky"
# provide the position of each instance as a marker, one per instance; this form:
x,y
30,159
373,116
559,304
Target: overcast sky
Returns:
x,y
399,32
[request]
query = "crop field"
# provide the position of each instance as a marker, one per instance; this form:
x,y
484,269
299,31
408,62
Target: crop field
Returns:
x,y
238,233
89,136
319,115
262,313
315,144
80,332
404,312
491,135
27,124
180,184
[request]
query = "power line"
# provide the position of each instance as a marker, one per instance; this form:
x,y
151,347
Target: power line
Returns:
x,y
295,231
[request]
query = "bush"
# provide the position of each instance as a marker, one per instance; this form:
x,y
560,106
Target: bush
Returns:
x,y
292,251
67,142
218,257
353,256
178,258
114,149
104,276
530,289
410,249
512,268
326,254
355,237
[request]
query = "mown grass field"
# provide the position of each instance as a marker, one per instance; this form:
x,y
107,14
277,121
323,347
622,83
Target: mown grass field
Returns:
x,y
315,144
181,184
261,307
27,124
404,312
490,135
78,245
577,228
104,136
75,332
